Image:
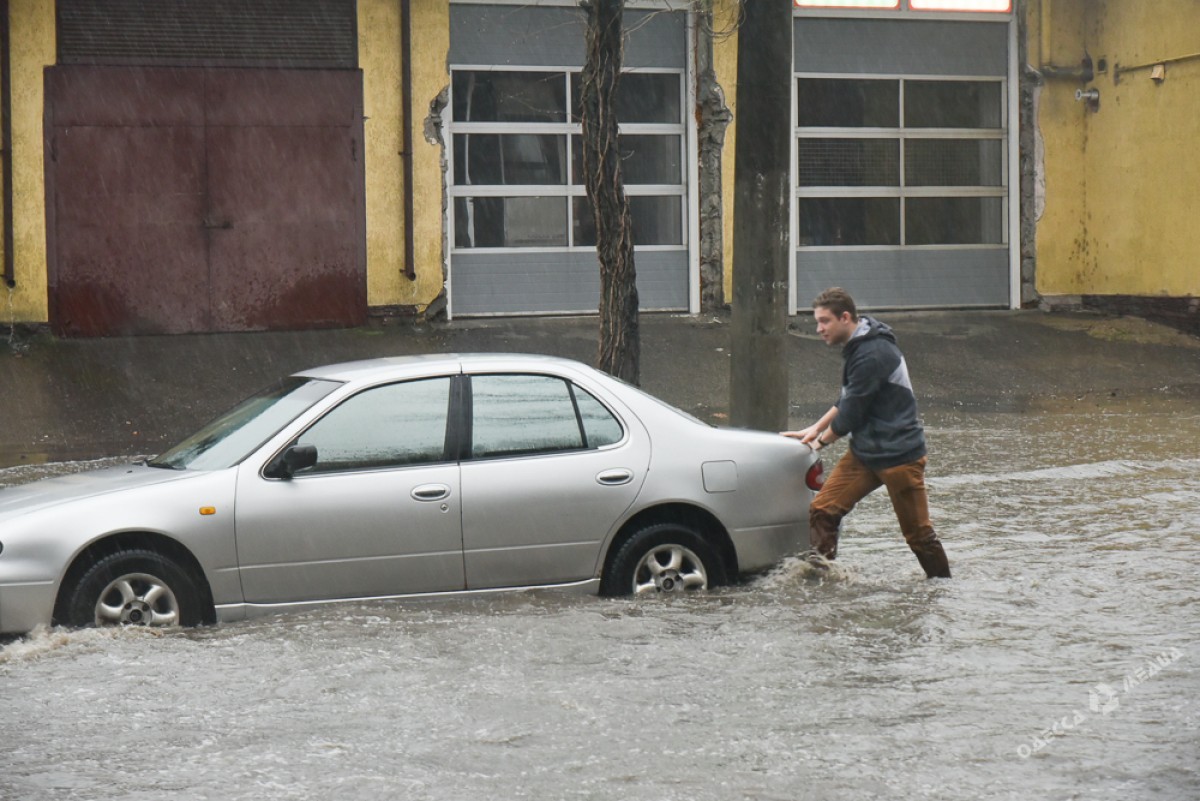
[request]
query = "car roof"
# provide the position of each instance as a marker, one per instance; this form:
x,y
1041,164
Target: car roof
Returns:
x,y
399,366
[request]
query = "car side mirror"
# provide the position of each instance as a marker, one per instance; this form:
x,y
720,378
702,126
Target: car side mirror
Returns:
x,y
291,461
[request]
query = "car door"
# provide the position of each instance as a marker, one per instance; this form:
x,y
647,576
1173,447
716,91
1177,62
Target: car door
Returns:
x,y
550,470
377,515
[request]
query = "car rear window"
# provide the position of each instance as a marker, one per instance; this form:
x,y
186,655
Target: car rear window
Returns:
x,y
521,414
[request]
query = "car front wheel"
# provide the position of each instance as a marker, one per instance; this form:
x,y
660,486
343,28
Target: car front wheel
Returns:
x,y
664,558
134,588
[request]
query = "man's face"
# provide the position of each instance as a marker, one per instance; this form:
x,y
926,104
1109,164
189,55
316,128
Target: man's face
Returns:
x,y
834,330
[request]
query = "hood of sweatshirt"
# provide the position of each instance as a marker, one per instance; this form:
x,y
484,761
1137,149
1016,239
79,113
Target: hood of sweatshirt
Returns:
x,y
868,328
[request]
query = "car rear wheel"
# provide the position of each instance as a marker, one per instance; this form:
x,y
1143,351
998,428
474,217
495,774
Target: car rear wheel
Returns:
x,y
135,588
664,558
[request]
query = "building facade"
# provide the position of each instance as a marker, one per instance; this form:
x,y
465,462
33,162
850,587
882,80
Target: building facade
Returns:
x,y
221,165
1115,181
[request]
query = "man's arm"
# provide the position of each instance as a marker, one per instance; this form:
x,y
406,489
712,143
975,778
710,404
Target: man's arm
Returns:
x,y
813,432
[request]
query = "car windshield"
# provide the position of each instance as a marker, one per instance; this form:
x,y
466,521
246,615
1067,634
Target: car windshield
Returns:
x,y
236,434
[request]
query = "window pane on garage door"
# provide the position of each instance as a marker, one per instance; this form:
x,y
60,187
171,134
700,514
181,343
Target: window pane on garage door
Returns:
x,y
485,96
849,221
510,222
509,159
954,220
954,162
952,104
847,103
849,162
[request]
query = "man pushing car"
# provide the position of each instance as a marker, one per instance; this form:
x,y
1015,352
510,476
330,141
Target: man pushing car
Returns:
x,y
878,410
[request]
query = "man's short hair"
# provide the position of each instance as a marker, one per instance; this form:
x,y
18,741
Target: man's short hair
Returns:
x,y
838,301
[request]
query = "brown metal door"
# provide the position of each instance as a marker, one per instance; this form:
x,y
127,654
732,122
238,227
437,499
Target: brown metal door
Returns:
x,y
126,189
187,200
285,235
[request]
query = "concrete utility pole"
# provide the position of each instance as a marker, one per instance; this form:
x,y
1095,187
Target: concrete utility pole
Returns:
x,y
758,372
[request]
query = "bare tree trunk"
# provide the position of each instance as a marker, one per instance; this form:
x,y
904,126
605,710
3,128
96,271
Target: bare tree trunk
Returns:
x,y
620,347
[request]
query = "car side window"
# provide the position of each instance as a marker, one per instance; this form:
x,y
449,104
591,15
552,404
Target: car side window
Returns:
x,y
519,415
522,414
599,425
388,426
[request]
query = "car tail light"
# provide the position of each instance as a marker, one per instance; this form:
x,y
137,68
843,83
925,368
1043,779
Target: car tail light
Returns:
x,y
815,477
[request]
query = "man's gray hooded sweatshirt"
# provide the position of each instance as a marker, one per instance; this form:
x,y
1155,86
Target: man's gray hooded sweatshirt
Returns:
x,y
877,406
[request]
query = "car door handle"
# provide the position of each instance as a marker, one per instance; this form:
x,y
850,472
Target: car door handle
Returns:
x,y
615,478
431,492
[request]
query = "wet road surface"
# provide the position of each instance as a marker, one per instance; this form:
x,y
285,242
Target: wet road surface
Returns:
x,y
1061,662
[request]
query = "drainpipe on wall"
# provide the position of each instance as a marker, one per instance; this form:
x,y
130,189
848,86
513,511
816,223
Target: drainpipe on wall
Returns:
x,y
6,134
1044,13
410,269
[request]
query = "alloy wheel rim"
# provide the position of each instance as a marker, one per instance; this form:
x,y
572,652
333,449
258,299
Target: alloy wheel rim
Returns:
x,y
137,599
669,569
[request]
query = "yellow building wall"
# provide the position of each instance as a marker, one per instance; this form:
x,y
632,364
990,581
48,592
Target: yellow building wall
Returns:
x,y
1122,182
32,39
380,60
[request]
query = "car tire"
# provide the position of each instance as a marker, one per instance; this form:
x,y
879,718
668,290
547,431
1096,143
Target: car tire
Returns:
x,y
134,588
664,558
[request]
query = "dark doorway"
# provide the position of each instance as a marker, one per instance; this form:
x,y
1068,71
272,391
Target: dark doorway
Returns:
x,y
204,199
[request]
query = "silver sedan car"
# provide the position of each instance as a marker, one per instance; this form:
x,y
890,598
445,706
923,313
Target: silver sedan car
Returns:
x,y
406,477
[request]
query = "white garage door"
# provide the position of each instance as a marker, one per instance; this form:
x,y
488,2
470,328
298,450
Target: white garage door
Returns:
x,y
521,235
902,161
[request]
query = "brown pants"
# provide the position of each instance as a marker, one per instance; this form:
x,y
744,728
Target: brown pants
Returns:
x,y
851,481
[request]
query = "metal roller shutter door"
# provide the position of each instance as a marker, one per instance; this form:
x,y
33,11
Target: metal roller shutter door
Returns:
x,y
314,34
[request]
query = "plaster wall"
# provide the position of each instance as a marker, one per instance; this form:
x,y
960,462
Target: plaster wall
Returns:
x,y
431,79
33,45
1121,179
380,59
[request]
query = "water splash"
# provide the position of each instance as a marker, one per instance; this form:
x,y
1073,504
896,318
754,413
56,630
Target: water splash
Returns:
x,y
45,640
795,569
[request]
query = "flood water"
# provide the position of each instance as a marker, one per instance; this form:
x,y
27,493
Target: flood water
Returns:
x,y
1060,662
